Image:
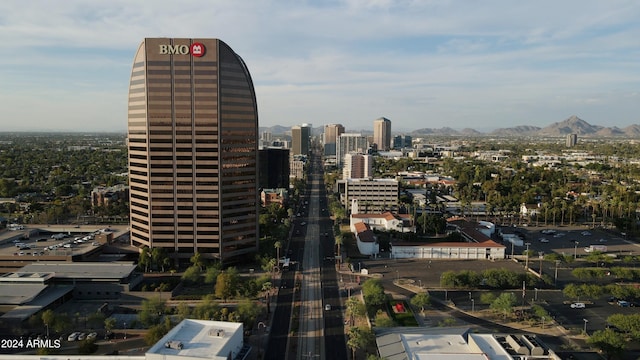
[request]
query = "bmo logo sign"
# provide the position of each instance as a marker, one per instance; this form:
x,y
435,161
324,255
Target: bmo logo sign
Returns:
x,y
196,49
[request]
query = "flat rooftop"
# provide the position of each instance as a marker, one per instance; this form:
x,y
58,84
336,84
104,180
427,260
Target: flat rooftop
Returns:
x,y
200,339
82,270
439,344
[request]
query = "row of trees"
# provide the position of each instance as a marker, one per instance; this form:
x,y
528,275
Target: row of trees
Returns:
x,y
594,291
492,278
159,319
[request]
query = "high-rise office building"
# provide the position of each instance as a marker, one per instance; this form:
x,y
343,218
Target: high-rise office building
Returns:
x,y
330,138
571,140
357,166
193,149
300,139
350,142
382,134
273,165
402,141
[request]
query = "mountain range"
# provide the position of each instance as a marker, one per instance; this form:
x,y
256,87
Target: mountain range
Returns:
x,y
572,125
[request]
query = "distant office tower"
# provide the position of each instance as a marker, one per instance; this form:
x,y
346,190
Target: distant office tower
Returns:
x,y
402,141
348,143
357,166
273,168
572,140
382,134
331,133
300,138
193,149
266,139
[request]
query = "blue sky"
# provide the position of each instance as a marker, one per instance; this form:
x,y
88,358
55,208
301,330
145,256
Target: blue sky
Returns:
x,y
65,65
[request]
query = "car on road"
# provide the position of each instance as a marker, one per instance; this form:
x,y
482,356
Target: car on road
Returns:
x,y
586,233
544,240
327,307
578,306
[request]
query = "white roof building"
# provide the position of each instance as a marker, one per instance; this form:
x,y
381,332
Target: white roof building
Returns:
x,y
199,339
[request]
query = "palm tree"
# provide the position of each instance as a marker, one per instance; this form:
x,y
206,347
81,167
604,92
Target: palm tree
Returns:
x,y
277,245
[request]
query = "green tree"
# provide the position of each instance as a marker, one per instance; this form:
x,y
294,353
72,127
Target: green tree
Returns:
x,y
248,312
355,308
226,284
151,311
504,303
49,318
629,323
191,275
359,338
211,275
487,298
144,260
373,293
278,246
109,324
421,300
198,260
611,344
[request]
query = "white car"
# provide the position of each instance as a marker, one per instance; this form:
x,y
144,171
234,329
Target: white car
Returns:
x,y
73,336
578,306
544,240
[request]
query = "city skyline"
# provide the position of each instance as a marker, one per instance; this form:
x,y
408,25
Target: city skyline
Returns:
x,y
422,65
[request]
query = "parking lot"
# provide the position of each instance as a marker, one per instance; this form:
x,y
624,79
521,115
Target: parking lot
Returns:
x,y
571,241
43,244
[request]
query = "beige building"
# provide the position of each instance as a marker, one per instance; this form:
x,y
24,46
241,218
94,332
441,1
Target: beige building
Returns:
x,y
330,138
300,139
364,196
357,166
193,148
382,134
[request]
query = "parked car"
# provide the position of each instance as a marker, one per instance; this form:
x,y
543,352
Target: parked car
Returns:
x,y
578,306
623,303
73,336
92,336
82,336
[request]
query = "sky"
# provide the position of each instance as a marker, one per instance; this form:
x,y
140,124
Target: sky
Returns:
x,y
65,65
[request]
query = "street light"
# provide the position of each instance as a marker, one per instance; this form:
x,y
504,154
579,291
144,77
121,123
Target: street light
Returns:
x,y
469,295
473,305
526,263
260,324
585,325
555,279
541,258
543,323
575,251
535,297
125,330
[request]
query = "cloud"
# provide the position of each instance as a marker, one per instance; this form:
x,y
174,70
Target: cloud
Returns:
x,y
419,62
